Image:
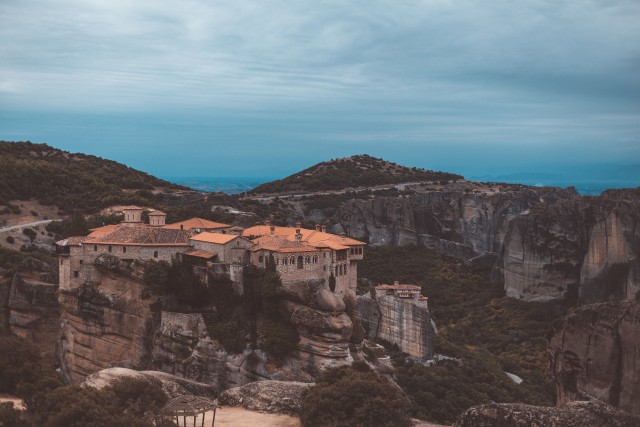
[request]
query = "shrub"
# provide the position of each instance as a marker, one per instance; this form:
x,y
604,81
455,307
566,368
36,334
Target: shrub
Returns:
x,y
10,239
278,337
354,396
19,361
30,233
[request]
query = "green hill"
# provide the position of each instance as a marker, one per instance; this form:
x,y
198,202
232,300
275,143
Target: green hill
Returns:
x,y
72,182
355,171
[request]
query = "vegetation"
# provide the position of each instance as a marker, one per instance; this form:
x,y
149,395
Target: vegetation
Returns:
x,y
73,182
356,171
125,402
354,396
489,333
10,260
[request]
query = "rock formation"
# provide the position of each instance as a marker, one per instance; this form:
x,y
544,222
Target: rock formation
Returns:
x,y
324,327
397,321
183,347
574,414
172,386
29,306
107,322
549,243
278,397
595,353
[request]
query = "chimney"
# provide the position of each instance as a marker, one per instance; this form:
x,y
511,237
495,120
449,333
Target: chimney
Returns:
x,y
267,222
317,227
298,236
342,236
272,230
323,228
396,283
298,224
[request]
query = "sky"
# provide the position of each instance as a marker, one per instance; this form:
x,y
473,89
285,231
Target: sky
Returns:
x,y
262,89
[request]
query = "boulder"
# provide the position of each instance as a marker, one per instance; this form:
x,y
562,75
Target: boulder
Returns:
x,y
277,397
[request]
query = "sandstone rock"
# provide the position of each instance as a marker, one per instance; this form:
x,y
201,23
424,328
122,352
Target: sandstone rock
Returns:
x,y
574,414
595,353
29,306
172,386
324,327
397,321
278,397
183,348
108,322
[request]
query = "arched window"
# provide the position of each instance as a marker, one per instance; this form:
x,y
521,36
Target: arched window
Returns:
x,y
277,261
345,269
292,260
109,248
155,254
315,259
307,260
300,262
95,248
124,249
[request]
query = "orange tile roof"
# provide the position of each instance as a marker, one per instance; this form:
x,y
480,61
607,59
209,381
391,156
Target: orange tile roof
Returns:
x,y
140,236
399,287
157,213
280,244
192,223
200,254
218,238
71,241
311,237
102,231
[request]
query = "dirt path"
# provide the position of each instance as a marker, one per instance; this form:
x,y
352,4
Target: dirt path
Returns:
x,y
228,416
30,224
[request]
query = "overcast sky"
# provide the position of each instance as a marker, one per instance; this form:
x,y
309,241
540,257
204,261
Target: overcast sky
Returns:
x,y
265,88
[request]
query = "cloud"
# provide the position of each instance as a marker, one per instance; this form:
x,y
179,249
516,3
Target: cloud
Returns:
x,y
503,72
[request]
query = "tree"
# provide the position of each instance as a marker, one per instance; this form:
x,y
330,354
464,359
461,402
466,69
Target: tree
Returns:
x,y
354,396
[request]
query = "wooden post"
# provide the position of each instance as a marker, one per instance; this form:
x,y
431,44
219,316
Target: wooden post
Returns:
x,y
214,416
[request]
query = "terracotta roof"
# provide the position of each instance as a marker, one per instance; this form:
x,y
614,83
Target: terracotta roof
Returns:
x,y
218,238
102,231
131,208
313,238
192,223
280,244
157,213
147,236
200,254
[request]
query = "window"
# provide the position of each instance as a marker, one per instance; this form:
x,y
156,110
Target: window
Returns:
x,y
307,260
124,249
277,261
292,260
315,259
260,258
109,248
284,261
95,248
300,262
80,261
76,273
325,268
344,269
61,261
155,254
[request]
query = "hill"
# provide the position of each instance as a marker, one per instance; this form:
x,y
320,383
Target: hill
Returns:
x,y
72,182
355,171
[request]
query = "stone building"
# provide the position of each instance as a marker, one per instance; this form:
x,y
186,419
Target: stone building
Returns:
x,y
300,254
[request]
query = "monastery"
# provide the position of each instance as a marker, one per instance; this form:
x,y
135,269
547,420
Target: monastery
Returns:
x,y
299,253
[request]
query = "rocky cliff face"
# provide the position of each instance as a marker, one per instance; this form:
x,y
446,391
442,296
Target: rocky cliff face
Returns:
x,y
182,347
108,321
550,243
398,321
324,327
595,352
29,306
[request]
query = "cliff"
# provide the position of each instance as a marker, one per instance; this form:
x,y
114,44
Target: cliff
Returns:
x,y
397,321
108,321
594,353
549,243
29,306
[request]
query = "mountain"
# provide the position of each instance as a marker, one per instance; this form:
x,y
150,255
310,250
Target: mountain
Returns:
x,y
71,181
356,171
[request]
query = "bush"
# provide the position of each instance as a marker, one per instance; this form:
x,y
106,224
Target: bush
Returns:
x,y
30,233
10,240
19,361
278,337
354,396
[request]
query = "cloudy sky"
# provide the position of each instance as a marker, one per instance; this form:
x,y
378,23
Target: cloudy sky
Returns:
x,y
264,88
